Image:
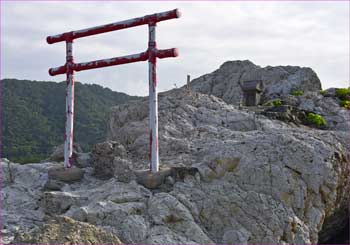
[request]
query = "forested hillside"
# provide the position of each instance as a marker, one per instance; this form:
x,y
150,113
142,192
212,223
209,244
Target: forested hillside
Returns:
x,y
33,116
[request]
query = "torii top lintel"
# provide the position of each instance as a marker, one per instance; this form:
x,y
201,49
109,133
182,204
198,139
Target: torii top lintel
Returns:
x,y
148,19
154,18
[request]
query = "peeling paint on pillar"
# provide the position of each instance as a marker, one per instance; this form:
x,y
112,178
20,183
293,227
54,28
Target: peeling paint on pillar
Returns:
x,y
68,144
153,97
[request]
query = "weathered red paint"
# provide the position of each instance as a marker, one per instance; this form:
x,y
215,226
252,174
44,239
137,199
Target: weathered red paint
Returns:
x,y
68,146
165,53
151,54
150,149
114,26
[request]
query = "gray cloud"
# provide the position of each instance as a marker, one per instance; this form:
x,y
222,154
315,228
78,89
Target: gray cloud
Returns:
x,y
209,33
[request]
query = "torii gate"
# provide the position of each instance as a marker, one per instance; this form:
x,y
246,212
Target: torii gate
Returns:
x,y
151,54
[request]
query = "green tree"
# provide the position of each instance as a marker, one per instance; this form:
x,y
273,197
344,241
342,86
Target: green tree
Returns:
x,y
33,116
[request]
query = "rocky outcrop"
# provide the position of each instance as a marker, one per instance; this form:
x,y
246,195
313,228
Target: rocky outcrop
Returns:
x,y
260,180
248,163
226,81
337,118
64,230
21,188
279,82
237,176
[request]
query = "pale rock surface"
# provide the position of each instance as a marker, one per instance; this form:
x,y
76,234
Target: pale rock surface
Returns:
x,y
280,81
262,180
226,81
21,190
337,118
259,181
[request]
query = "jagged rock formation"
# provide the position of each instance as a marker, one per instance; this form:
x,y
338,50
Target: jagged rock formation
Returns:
x,y
291,172
259,180
226,81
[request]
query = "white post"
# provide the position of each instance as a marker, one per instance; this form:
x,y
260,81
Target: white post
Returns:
x,y
153,98
68,137
188,83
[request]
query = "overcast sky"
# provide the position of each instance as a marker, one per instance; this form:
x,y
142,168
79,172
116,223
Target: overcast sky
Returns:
x,y
312,34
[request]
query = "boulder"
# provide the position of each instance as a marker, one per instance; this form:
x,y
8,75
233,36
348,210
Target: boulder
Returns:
x,y
57,154
55,202
152,180
109,159
83,160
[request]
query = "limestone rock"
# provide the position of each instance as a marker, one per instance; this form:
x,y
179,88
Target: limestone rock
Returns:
x,y
337,117
282,167
20,210
134,229
167,211
60,202
83,160
109,160
226,81
240,177
57,154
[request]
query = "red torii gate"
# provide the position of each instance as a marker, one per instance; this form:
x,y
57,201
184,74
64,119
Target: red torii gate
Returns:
x,y
151,54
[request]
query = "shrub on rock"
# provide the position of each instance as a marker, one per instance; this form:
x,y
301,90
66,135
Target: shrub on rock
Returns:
x,y
316,120
297,92
345,104
342,93
277,103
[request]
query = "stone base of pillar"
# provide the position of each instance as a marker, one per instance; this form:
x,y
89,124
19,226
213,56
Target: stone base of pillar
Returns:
x,y
152,180
67,175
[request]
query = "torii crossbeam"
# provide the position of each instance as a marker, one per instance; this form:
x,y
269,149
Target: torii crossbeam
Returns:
x,y
151,54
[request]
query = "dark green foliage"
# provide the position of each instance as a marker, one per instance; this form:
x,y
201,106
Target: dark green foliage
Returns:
x,y
342,93
297,93
277,103
345,104
323,92
34,116
316,120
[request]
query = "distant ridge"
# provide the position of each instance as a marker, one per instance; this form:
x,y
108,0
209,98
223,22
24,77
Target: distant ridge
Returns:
x,y
34,116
